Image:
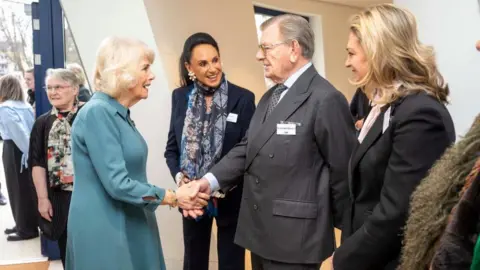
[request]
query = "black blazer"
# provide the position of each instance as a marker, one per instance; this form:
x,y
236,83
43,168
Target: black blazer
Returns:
x,y
384,171
295,186
241,102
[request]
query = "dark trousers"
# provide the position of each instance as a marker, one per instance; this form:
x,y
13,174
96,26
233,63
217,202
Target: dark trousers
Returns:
x,y
62,246
61,205
21,191
196,238
259,263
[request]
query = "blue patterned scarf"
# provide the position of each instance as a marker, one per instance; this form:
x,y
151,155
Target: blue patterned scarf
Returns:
x,y
203,133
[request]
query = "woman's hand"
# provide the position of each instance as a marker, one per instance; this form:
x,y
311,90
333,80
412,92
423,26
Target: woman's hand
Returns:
x,y
189,197
184,181
359,124
45,209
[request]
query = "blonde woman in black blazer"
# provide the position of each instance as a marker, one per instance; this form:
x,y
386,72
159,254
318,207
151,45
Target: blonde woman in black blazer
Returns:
x,y
407,129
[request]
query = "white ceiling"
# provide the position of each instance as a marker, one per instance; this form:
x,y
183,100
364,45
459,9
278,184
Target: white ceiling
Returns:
x,y
356,3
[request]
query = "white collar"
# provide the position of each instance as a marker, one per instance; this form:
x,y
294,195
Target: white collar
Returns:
x,y
15,104
292,79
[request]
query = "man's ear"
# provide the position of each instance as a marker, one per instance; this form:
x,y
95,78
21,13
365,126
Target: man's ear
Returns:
x,y
296,51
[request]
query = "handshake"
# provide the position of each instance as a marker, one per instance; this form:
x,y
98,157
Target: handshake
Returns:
x,y
193,196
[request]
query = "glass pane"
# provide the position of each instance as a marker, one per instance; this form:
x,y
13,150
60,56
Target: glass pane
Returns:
x,y
16,51
71,53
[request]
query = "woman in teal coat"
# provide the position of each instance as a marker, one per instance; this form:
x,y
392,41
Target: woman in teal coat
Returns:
x,y
112,224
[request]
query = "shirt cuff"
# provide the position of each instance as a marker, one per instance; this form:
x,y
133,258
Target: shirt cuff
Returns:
x,y
212,181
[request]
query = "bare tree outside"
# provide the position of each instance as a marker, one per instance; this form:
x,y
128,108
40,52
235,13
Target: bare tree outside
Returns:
x,y
16,35
71,53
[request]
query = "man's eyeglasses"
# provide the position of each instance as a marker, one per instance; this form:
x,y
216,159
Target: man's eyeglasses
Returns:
x,y
266,48
55,88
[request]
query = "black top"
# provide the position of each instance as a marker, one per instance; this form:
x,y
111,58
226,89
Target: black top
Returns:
x,y
39,138
84,94
360,105
31,97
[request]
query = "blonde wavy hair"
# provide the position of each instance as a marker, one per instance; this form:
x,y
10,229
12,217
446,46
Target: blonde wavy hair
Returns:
x,y
395,56
117,64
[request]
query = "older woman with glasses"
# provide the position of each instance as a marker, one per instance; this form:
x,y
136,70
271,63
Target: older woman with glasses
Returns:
x,y
51,155
16,120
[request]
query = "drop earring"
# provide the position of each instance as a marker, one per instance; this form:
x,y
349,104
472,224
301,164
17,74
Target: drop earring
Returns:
x,y
192,76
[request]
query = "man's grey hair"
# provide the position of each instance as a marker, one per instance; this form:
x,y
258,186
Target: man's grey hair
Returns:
x,y
294,27
64,75
11,88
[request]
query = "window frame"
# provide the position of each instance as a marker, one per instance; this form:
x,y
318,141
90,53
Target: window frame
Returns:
x,y
274,12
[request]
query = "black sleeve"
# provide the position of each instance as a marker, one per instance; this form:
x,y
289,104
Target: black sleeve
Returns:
x,y
419,139
37,152
354,105
172,153
335,137
247,112
84,95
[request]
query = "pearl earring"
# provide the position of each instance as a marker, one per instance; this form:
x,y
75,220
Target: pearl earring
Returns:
x,y
192,76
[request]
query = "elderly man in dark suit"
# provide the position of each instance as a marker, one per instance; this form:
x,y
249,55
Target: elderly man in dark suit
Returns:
x,y
294,157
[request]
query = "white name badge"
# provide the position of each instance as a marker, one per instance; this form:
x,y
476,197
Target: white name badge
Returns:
x,y
232,117
286,129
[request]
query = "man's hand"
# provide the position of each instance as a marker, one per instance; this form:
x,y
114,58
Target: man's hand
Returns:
x,y
189,197
200,188
204,186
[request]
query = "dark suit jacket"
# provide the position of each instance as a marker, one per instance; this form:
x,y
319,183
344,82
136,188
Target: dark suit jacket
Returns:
x,y
360,105
84,94
241,102
294,186
384,171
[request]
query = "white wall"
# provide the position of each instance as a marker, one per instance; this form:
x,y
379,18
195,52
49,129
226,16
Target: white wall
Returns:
x,y
453,27
91,21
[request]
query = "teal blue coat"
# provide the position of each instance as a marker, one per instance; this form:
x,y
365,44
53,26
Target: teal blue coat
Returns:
x,y
110,226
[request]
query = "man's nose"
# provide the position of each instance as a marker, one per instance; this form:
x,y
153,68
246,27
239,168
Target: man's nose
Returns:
x,y
260,55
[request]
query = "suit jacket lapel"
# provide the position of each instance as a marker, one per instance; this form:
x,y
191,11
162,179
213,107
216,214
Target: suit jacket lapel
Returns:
x,y
294,97
233,98
367,142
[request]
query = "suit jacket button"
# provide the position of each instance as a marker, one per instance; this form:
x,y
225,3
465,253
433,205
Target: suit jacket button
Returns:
x,y
255,207
256,181
271,155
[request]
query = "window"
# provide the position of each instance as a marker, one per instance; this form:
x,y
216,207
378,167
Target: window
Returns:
x,y
71,53
15,36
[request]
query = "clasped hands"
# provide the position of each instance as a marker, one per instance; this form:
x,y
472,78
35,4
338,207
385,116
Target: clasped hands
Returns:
x,y
193,196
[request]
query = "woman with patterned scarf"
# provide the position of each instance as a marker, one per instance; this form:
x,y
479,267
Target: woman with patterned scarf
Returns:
x,y
209,116
50,155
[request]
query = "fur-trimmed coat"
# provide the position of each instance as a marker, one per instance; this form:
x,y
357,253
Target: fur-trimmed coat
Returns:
x,y
434,199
